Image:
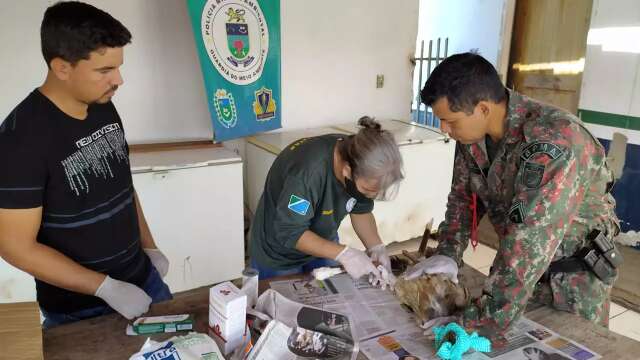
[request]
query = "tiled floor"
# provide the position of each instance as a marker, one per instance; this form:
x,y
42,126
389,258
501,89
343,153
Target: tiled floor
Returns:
x,y
622,321
626,323
616,310
481,258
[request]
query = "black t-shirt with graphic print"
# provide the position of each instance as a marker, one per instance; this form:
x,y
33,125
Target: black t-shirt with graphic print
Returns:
x,y
301,193
78,171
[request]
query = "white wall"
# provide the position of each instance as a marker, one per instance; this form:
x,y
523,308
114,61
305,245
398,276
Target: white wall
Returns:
x,y
163,94
611,79
469,24
331,53
484,25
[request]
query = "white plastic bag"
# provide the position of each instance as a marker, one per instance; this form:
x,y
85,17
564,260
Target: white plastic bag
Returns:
x,y
194,346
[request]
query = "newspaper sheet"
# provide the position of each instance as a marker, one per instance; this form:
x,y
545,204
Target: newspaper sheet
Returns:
x,y
373,311
297,331
526,341
531,341
386,330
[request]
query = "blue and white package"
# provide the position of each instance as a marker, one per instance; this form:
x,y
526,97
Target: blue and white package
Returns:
x,y
194,346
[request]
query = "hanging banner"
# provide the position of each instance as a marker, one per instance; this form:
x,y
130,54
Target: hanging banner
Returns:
x,y
238,44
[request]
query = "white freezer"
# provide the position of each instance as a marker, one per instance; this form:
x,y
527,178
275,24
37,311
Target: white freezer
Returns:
x,y
192,200
428,166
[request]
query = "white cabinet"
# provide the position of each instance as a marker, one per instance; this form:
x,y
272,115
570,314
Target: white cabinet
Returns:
x,y
428,169
193,202
15,285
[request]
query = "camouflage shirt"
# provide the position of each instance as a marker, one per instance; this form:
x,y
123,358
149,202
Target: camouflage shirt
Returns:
x,y
545,190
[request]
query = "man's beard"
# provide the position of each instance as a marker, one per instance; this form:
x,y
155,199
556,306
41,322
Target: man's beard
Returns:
x,y
105,98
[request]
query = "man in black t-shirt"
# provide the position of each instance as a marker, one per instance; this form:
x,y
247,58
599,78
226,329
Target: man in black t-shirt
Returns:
x,y
69,214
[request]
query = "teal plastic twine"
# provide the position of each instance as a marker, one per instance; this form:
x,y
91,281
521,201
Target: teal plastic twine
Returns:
x,y
463,343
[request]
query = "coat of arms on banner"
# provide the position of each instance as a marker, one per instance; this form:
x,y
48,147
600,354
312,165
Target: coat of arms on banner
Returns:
x,y
264,106
225,108
236,38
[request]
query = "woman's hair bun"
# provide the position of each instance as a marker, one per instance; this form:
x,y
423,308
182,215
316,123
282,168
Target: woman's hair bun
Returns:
x,y
369,123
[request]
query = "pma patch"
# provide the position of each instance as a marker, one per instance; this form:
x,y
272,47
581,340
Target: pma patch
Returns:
x,y
550,149
532,175
298,205
516,213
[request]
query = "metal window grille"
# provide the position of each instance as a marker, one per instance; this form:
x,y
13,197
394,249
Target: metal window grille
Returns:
x,y
420,113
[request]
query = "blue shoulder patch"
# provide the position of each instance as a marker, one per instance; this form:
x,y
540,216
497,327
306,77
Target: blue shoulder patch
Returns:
x,y
298,205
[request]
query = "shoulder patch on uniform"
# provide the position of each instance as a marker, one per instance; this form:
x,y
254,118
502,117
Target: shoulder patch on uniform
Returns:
x,y
532,175
516,213
298,205
351,203
545,147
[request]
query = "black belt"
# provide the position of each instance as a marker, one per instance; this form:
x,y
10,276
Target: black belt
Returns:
x,y
602,258
566,265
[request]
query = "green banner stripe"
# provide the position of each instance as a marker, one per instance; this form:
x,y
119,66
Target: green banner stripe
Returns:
x,y
609,119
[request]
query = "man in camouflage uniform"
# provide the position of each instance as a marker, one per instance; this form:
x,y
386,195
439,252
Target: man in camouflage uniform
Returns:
x,y
543,180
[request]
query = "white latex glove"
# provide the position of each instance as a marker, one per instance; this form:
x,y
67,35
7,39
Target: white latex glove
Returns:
x,y
325,272
127,299
435,322
437,264
386,279
380,255
159,261
357,263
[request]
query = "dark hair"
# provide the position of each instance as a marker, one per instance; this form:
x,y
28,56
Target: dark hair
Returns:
x,y
464,80
373,153
71,30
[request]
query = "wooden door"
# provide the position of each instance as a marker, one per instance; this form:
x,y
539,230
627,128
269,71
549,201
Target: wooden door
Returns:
x,y
548,48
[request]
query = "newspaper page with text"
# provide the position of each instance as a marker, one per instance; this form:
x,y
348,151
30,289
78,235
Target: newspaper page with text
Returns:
x,y
297,331
387,330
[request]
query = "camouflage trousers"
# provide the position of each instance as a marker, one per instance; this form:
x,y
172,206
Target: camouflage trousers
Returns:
x,y
580,293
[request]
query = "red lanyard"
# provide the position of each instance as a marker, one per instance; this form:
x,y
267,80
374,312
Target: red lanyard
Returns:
x,y
474,225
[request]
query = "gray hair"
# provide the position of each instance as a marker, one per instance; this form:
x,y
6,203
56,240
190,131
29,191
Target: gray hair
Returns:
x,y
372,153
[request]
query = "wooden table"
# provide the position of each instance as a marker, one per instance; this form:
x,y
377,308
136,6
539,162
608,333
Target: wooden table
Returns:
x,y
104,337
